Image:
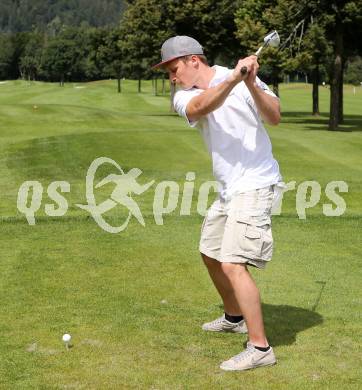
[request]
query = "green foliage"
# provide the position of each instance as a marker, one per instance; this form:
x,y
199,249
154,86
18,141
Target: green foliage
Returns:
x,y
212,24
6,55
109,53
250,33
227,29
313,54
24,15
62,56
353,72
72,54
31,55
146,24
317,36
254,19
144,27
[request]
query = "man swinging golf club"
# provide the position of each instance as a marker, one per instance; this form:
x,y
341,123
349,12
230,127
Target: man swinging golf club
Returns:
x,y
229,107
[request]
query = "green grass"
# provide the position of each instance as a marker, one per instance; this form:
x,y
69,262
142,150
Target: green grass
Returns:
x,y
134,301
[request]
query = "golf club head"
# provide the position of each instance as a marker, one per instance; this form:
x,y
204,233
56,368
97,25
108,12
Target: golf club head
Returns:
x,y
272,39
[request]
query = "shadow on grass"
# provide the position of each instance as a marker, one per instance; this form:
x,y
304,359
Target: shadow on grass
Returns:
x,y
284,322
310,122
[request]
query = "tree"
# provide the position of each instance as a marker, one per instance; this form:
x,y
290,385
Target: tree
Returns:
x,y
109,54
317,27
30,58
59,57
315,51
212,24
146,24
6,55
25,15
353,71
346,22
254,19
319,49
144,27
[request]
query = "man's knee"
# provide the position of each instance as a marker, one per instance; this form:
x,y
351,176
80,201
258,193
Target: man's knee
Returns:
x,y
233,270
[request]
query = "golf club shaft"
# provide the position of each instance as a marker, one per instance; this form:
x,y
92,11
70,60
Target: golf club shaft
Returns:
x,y
244,69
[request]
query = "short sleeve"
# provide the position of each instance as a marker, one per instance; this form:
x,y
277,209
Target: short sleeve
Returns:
x,y
247,95
182,99
264,87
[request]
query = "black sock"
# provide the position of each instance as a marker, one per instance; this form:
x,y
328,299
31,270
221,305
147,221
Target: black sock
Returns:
x,y
262,349
233,319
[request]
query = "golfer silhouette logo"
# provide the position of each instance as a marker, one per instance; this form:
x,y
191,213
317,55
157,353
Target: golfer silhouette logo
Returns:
x,y
125,185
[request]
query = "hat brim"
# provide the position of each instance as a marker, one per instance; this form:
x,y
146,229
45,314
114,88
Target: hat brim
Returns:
x,y
162,63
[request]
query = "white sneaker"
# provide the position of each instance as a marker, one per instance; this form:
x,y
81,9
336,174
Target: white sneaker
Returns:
x,y
248,359
223,325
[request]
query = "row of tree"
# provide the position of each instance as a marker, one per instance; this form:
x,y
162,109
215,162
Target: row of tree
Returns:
x,y
76,54
24,15
318,37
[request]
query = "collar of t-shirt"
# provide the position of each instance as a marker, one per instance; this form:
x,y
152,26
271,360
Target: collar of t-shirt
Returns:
x,y
221,74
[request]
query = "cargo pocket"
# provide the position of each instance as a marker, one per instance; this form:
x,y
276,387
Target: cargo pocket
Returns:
x,y
254,238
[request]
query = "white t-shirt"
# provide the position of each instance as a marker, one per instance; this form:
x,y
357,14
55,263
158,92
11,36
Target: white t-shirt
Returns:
x,y
236,138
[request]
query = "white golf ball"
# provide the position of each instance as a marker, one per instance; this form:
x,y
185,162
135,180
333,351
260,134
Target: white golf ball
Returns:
x,y
66,337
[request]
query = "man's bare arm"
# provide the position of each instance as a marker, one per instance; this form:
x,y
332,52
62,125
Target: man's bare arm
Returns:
x,y
209,100
212,98
268,106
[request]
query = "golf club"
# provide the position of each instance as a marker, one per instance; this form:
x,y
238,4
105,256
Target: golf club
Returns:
x,y
272,39
323,285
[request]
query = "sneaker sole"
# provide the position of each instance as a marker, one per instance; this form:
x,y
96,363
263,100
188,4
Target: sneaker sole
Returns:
x,y
250,368
225,331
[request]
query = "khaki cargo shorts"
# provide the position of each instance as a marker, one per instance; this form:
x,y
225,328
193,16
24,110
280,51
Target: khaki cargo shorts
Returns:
x,y
239,231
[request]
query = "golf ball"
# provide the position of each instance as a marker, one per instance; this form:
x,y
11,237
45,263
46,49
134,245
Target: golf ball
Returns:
x,y
66,337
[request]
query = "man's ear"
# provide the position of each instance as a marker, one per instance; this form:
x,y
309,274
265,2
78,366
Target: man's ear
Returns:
x,y
195,61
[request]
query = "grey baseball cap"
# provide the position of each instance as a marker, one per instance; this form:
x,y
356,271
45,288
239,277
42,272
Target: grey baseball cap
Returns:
x,y
178,46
